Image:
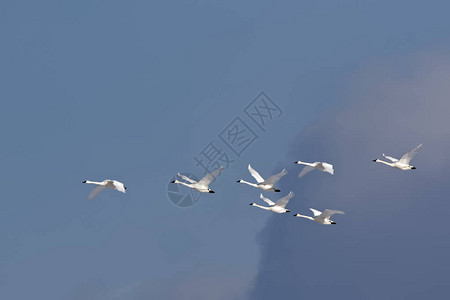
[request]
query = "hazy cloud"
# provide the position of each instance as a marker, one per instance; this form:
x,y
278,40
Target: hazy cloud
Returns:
x,y
201,283
376,250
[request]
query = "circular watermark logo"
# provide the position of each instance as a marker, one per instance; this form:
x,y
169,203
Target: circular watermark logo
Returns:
x,y
182,196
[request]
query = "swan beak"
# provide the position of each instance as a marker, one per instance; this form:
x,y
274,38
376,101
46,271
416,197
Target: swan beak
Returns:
x,y
413,168
212,192
333,222
238,181
84,181
296,215
173,181
295,162
251,204
374,160
287,210
277,191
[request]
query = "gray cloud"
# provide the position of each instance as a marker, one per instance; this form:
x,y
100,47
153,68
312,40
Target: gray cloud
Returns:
x,y
393,241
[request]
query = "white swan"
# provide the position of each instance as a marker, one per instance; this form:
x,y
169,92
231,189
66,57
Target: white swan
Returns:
x,y
402,163
107,183
266,185
321,166
321,217
278,207
202,184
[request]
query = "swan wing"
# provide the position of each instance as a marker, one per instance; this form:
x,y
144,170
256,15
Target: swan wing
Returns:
x,y
315,212
285,200
390,158
205,181
268,201
406,158
255,174
328,168
185,178
329,212
305,171
96,190
119,186
275,178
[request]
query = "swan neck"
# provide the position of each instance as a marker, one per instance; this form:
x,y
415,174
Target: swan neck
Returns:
x,y
305,163
93,182
249,183
183,183
263,207
385,162
306,217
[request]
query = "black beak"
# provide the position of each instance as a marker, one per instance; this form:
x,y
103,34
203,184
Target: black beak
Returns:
x,y
173,181
374,160
277,191
84,181
413,168
333,222
212,192
287,210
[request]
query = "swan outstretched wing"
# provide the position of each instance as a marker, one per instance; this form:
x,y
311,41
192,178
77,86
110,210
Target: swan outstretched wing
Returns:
x,y
315,212
305,171
284,201
268,201
255,174
328,168
406,158
390,158
119,186
185,178
327,213
275,178
210,177
96,190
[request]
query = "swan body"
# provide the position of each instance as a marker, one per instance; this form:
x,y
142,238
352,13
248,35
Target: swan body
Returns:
x,y
321,166
203,184
107,183
265,185
278,207
403,162
321,217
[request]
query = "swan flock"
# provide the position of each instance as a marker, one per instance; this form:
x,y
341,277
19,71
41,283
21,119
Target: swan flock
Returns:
x,y
267,185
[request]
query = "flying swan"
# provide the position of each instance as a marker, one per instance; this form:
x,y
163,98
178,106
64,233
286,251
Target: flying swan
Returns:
x,y
321,166
278,207
202,184
265,185
107,183
402,163
321,217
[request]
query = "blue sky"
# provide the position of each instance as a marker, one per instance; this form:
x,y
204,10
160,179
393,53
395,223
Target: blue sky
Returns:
x,y
133,91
